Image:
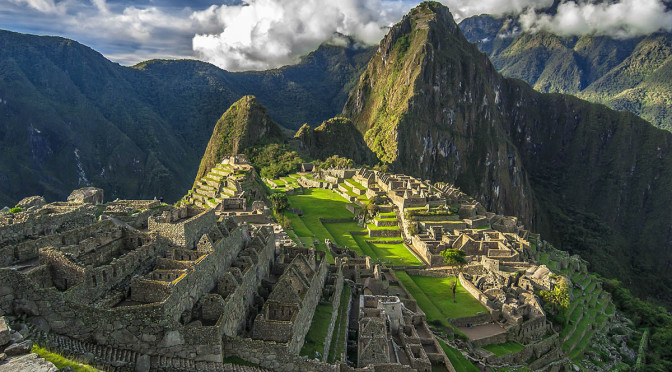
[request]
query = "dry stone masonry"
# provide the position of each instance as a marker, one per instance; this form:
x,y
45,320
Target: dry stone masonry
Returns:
x,y
139,285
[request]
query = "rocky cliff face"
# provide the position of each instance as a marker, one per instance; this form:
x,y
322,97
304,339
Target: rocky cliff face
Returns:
x,y
337,136
592,180
428,104
244,124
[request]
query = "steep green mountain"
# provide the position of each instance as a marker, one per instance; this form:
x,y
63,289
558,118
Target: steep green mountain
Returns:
x,y
592,180
69,117
243,125
337,136
632,74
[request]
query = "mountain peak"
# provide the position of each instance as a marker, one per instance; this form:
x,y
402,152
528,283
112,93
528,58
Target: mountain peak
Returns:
x,y
244,124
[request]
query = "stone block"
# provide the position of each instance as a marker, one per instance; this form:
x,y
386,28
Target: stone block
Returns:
x,y
20,348
143,363
4,332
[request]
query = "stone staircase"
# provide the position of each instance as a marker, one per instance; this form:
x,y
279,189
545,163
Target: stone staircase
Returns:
x,y
215,186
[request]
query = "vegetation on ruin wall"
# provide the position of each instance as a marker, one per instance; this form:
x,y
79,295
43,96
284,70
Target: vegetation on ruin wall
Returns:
x,y
341,328
317,333
505,348
61,361
459,362
646,316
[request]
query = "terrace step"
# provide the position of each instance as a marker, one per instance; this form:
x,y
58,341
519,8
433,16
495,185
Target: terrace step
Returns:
x,y
221,172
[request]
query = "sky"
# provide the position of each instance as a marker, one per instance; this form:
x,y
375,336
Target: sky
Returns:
x,y
240,35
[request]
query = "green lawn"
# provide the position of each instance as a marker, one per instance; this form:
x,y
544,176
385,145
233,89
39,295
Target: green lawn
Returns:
x,y
394,254
319,203
387,215
316,204
299,227
341,233
505,348
459,362
356,184
318,331
433,313
364,246
438,292
340,328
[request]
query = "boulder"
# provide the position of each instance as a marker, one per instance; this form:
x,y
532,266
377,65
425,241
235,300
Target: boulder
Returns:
x,y
4,332
87,195
29,362
20,348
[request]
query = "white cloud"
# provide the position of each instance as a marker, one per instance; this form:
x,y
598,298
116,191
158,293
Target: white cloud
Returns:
x,y
265,34
466,8
621,19
44,6
262,34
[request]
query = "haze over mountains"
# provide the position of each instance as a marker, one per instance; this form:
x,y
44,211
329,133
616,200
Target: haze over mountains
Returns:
x,y
428,103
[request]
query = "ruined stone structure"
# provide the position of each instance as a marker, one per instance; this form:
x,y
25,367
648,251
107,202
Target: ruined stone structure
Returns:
x,y
89,195
139,285
222,187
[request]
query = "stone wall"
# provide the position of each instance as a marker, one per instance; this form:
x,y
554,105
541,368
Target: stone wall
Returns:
x,y
384,233
52,218
480,296
310,301
150,329
181,230
335,305
239,300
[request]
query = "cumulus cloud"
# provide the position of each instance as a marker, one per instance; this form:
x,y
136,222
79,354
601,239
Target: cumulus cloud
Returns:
x,y
466,8
260,34
621,19
263,34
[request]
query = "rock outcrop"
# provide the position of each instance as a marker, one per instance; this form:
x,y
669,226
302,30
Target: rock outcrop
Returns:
x,y
592,180
337,136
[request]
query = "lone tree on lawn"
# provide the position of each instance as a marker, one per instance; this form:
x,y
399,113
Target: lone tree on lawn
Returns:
x,y
454,257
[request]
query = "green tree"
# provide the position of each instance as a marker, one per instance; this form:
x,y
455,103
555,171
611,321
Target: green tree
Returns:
x,y
558,296
279,202
455,257
337,162
372,206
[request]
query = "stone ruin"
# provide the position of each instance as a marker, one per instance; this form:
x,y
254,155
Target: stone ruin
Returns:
x,y
89,195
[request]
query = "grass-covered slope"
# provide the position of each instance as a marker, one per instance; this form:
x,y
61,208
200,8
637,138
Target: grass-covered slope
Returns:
x,y
70,117
632,74
336,136
592,180
243,125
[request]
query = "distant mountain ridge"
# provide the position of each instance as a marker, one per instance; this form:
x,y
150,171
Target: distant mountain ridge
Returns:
x,y
591,180
633,74
71,118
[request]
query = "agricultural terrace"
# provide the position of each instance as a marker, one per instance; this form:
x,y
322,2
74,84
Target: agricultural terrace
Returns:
x,y
316,204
